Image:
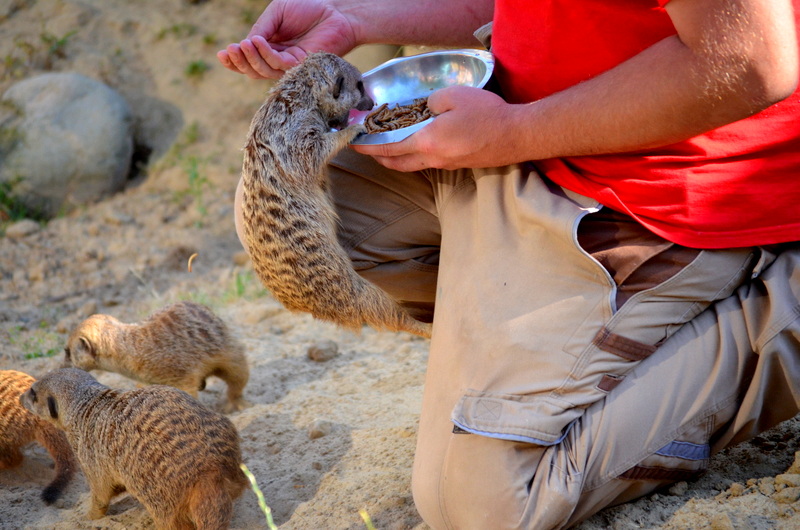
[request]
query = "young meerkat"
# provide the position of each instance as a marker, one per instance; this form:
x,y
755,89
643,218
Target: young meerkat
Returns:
x,y
289,221
180,345
174,455
18,427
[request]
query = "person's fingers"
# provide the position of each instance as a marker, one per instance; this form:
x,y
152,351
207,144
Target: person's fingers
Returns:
x,y
259,60
404,163
400,156
442,100
240,62
391,150
225,60
276,58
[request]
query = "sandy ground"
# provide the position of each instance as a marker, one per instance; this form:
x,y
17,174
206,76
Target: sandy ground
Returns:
x,y
324,438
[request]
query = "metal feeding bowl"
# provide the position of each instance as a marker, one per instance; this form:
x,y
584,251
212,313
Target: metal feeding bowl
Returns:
x,y
400,81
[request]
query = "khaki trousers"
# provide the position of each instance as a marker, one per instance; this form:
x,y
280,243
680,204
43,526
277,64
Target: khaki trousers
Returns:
x,y
544,402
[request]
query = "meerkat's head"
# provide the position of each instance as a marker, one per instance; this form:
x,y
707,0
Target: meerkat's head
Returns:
x,y
83,344
337,86
45,397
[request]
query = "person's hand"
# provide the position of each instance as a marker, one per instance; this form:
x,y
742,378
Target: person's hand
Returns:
x,y
472,128
285,33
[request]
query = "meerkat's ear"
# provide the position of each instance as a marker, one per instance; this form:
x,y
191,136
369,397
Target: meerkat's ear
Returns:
x,y
337,87
86,345
52,407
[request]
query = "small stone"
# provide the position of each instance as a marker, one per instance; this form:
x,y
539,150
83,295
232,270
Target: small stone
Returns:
x,y
408,432
323,351
319,428
679,489
787,495
22,229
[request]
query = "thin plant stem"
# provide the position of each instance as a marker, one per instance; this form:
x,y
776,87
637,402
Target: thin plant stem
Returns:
x,y
261,502
367,521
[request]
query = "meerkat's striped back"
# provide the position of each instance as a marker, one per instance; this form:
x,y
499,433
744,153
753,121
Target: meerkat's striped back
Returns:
x,y
177,457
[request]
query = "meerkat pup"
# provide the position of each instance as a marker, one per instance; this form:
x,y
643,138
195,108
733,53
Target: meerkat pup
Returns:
x,y
180,345
288,217
18,427
174,455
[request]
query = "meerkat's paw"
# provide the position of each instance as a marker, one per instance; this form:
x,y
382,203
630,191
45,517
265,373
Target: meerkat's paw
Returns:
x,y
359,129
95,510
235,406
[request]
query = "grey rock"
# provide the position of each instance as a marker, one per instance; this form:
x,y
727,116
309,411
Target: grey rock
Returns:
x,y
65,140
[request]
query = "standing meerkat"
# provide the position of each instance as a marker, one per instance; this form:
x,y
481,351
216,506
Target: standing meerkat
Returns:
x,y
18,427
174,455
289,220
180,345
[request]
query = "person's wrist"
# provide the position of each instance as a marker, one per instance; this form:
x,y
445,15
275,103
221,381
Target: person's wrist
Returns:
x,y
353,12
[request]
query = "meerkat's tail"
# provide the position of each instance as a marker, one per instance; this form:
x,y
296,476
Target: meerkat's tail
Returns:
x,y
235,373
56,443
210,501
382,312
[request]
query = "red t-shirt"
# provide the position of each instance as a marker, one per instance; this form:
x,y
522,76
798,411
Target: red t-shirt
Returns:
x,y
738,185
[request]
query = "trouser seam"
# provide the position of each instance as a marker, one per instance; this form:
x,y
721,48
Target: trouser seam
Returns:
x,y
441,487
774,330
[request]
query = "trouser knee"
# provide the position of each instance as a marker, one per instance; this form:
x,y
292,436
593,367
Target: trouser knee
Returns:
x,y
476,482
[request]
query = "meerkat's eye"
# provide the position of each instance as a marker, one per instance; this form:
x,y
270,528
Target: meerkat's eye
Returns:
x,y
337,89
52,408
360,86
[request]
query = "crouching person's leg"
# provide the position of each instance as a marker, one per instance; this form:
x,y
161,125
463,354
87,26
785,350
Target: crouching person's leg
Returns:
x,y
729,374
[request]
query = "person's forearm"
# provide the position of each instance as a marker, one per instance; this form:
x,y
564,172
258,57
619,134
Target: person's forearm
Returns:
x,y
668,93
729,60
417,22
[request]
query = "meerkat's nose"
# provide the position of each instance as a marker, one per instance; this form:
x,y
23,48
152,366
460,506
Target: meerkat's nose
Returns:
x,y
366,103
